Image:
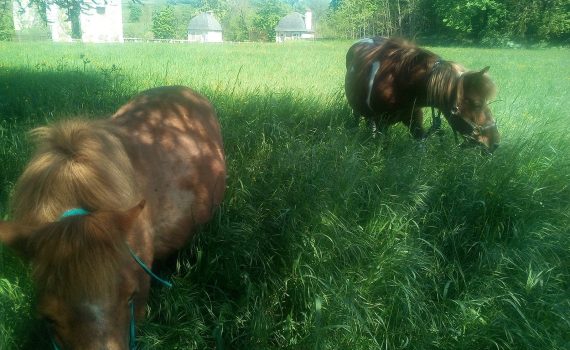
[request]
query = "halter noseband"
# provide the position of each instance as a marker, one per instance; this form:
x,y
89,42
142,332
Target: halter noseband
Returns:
x,y
138,260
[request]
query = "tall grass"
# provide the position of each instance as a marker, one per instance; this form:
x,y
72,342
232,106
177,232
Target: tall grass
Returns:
x,y
327,238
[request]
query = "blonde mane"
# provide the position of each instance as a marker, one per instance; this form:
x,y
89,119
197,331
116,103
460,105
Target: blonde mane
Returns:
x,y
78,163
444,84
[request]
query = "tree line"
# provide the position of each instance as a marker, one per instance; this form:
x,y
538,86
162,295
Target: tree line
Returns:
x,y
487,22
479,22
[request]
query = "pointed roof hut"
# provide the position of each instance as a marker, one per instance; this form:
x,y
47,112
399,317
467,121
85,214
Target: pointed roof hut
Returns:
x,y
205,28
295,26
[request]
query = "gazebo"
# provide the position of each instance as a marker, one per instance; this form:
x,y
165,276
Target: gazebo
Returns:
x,y
205,28
295,26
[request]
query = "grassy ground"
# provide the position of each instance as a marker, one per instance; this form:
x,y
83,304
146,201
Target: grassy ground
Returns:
x,y
328,239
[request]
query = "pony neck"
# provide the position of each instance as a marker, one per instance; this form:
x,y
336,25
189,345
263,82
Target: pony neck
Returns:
x,y
442,85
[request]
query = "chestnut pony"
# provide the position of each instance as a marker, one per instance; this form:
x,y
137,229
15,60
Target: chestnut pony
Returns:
x,y
390,80
101,200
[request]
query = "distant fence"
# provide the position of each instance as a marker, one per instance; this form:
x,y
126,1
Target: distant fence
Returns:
x,y
141,40
35,37
178,41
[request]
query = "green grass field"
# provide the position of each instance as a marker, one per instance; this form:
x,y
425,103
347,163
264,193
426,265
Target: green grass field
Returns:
x,y
328,238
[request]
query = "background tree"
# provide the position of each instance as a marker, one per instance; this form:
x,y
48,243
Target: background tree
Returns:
x,y
499,21
268,14
6,21
164,23
72,9
135,12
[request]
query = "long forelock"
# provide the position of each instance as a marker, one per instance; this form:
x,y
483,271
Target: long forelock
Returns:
x,y
483,85
77,259
77,163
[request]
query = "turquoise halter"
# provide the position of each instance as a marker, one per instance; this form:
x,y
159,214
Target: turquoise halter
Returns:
x,y
74,212
132,325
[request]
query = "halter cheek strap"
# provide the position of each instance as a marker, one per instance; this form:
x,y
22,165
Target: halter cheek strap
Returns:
x,y
148,270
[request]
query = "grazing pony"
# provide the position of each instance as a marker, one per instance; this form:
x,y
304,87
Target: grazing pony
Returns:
x,y
102,200
389,81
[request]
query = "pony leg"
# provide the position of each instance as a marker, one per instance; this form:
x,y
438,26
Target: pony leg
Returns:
x,y
435,122
378,126
373,126
356,118
414,120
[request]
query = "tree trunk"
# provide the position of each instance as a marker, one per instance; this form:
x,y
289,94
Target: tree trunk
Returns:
x,y
73,14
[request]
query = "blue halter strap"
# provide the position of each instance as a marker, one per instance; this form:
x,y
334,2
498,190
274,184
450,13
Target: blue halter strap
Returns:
x,y
74,212
148,270
132,324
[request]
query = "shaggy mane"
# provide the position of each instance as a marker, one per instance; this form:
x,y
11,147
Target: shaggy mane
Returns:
x,y
443,84
77,163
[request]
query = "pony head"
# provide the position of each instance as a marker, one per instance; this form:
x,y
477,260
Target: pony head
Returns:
x,y
89,288
470,115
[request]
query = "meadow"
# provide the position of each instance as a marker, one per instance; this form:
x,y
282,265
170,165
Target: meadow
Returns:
x,y
327,238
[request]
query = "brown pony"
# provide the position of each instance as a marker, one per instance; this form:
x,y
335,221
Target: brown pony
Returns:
x,y
137,185
389,81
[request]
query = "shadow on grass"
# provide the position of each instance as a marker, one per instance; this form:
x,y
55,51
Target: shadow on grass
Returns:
x,y
42,94
34,97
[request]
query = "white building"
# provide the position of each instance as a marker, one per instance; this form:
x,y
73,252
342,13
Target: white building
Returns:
x,y
28,24
101,22
205,28
24,16
295,26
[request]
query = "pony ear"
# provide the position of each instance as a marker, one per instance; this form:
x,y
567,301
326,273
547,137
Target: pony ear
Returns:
x,y
126,219
484,70
15,236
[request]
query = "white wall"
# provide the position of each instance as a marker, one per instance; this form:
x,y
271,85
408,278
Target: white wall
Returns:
x,y
25,17
309,20
60,28
101,23
205,37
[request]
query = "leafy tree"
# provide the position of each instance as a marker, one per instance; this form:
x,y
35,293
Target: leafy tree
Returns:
x,y
359,18
539,20
135,12
498,21
6,22
335,4
164,23
475,20
268,14
237,27
72,9
237,23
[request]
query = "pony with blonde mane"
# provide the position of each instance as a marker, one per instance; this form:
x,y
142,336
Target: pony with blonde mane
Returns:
x,y
388,81
101,200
